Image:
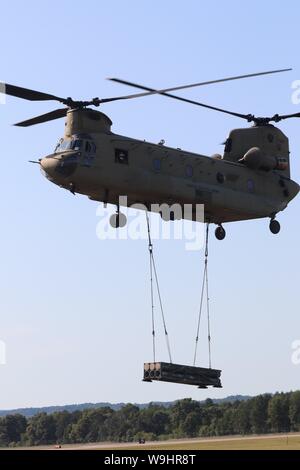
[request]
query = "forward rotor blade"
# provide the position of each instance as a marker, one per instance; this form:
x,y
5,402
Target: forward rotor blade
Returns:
x,y
248,117
153,91
27,94
58,113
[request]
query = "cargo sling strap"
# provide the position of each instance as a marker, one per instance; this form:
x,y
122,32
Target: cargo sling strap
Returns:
x,y
153,270
204,289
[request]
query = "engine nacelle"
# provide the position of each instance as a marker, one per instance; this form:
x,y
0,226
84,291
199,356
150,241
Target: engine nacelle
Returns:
x,y
256,160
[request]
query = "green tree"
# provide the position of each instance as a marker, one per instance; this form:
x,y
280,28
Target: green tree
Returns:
x,y
242,422
181,409
41,429
294,411
211,414
259,413
278,411
12,427
123,424
191,425
225,424
83,430
154,420
63,421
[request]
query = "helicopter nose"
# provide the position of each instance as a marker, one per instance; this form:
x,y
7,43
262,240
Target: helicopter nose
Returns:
x,y
49,165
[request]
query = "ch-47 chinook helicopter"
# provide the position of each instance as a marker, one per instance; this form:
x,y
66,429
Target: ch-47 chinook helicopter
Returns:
x,y
251,180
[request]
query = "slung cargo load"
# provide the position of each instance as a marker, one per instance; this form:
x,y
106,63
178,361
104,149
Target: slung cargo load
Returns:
x,y
177,373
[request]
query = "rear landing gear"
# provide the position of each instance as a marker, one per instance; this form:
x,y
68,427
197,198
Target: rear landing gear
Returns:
x,y
118,220
274,226
220,233
72,188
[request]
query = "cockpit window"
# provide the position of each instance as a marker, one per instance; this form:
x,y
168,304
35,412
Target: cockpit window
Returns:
x,y
228,145
90,147
68,145
63,145
67,165
76,144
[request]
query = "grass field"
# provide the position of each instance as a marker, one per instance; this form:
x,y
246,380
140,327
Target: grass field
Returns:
x,y
240,443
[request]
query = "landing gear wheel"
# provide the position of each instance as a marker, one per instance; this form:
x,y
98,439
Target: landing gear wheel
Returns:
x,y
220,233
118,220
274,226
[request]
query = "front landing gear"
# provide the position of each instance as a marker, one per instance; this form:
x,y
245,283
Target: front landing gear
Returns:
x,y
220,233
118,220
274,226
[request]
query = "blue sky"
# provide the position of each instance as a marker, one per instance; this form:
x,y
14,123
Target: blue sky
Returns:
x,y
75,312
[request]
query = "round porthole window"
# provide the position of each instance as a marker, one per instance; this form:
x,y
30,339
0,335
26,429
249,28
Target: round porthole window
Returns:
x,y
156,164
220,178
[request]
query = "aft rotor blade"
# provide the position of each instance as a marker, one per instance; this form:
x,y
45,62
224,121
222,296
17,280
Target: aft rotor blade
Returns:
x,y
27,94
164,91
58,113
279,117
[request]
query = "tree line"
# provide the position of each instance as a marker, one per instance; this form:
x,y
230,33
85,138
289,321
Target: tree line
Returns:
x,y
185,418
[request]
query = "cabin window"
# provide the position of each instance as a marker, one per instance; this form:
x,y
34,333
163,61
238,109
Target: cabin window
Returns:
x,y
157,164
89,154
121,156
250,186
189,171
220,178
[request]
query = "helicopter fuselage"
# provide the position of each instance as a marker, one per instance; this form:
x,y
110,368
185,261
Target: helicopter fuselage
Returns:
x,y
93,161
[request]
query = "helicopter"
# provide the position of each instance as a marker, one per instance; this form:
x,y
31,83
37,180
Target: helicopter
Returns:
x,y
251,180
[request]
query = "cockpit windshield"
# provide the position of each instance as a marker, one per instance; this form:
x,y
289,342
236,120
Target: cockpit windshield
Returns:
x,y
85,145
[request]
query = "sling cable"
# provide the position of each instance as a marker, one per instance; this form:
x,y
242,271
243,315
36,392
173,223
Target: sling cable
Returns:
x,y
168,371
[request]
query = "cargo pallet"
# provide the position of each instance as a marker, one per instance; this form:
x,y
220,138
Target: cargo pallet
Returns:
x,y
178,373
